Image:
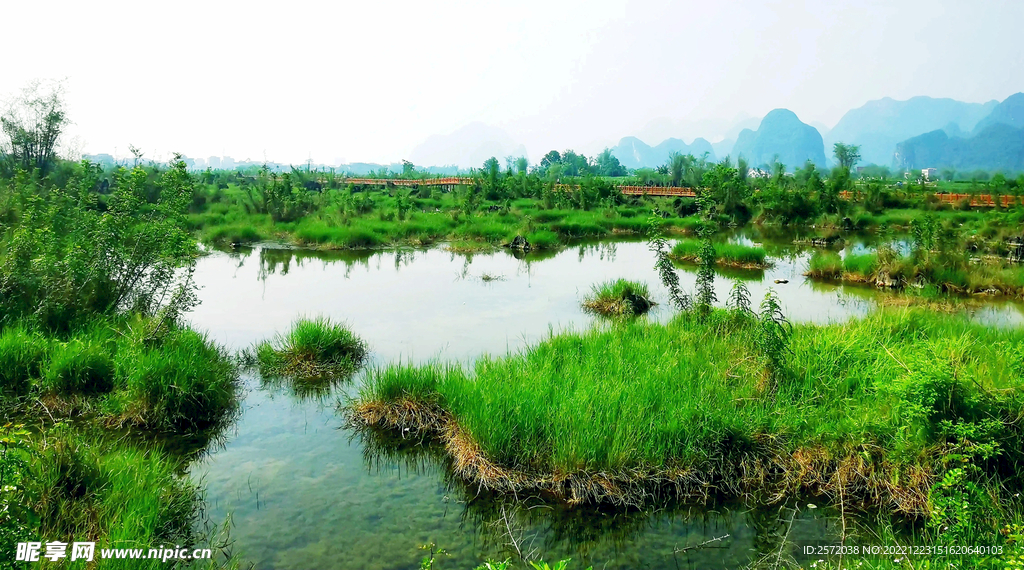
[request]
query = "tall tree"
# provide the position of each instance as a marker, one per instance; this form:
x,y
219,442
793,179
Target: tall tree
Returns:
x,y
847,155
32,126
609,165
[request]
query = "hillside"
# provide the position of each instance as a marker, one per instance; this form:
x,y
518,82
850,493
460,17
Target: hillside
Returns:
x,y
635,153
879,125
996,147
1009,112
781,136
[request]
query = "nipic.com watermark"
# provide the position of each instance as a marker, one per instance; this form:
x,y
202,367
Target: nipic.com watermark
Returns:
x,y
56,550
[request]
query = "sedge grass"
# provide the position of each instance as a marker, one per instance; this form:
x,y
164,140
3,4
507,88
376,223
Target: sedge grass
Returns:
x,y
313,349
727,254
608,412
619,298
177,381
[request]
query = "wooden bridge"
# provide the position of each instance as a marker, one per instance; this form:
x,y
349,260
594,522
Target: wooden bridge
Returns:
x,y
468,180
444,181
976,201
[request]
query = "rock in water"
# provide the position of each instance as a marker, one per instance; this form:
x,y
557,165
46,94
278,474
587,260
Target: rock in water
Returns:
x,y
639,303
520,243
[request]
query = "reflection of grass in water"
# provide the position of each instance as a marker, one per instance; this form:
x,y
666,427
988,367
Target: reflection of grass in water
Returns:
x,y
556,530
312,357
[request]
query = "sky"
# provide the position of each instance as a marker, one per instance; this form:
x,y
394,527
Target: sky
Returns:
x,y
369,81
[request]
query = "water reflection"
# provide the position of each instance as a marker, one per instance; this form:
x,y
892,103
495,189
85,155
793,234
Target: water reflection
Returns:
x,y
671,535
303,493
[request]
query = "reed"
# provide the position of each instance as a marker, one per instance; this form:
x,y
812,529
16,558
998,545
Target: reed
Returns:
x,y
727,254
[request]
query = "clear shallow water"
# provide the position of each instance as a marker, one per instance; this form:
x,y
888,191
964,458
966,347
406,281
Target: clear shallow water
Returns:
x,y
303,491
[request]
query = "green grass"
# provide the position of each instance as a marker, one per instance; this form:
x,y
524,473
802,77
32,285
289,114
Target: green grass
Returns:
x,y
83,487
177,380
729,254
825,265
618,298
864,265
641,398
22,359
313,349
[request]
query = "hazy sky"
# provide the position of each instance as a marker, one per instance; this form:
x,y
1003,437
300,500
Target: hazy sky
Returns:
x,y
369,80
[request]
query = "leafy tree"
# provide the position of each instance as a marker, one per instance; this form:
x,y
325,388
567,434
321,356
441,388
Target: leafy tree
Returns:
x,y
609,165
408,169
551,158
847,155
32,127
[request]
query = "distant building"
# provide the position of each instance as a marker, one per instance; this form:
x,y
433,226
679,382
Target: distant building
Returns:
x,y
930,173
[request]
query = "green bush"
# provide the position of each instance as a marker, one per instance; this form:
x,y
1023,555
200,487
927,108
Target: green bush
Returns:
x,y
81,366
181,382
22,357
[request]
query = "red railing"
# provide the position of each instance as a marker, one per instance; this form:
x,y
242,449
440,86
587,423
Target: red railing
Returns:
x,y
445,181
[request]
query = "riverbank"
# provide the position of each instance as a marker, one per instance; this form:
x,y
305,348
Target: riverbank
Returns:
x,y
868,410
958,275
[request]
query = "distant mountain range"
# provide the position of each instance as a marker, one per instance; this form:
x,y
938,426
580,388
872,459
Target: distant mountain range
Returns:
x,y
635,153
467,147
997,146
920,132
996,143
878,126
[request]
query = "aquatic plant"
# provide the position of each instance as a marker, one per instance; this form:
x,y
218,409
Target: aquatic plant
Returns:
x,y
726,253
313,349
663,264
626,413
619,298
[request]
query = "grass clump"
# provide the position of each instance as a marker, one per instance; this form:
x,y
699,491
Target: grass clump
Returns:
x,y
619,298
825,265
868,408
727,254
80,485
22,356
314,349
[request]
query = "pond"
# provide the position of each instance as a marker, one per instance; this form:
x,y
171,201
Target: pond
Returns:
x,y
304,491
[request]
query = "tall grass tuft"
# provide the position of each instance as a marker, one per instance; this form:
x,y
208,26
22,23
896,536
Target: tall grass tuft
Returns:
x,y
619,298
184,382
727,254
825,265
314,349
644,401
22,357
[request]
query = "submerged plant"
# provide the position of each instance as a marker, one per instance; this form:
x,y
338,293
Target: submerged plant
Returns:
x,y
314,349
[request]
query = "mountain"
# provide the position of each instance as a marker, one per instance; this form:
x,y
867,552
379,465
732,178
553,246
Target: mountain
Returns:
x,y
635,153
467,147
998,146
781,134
879,125
1009,112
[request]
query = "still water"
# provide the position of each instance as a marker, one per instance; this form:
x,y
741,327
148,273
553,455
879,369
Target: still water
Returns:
x,y
303,491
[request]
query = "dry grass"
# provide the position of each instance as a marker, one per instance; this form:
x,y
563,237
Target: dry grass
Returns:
x,y
863,476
